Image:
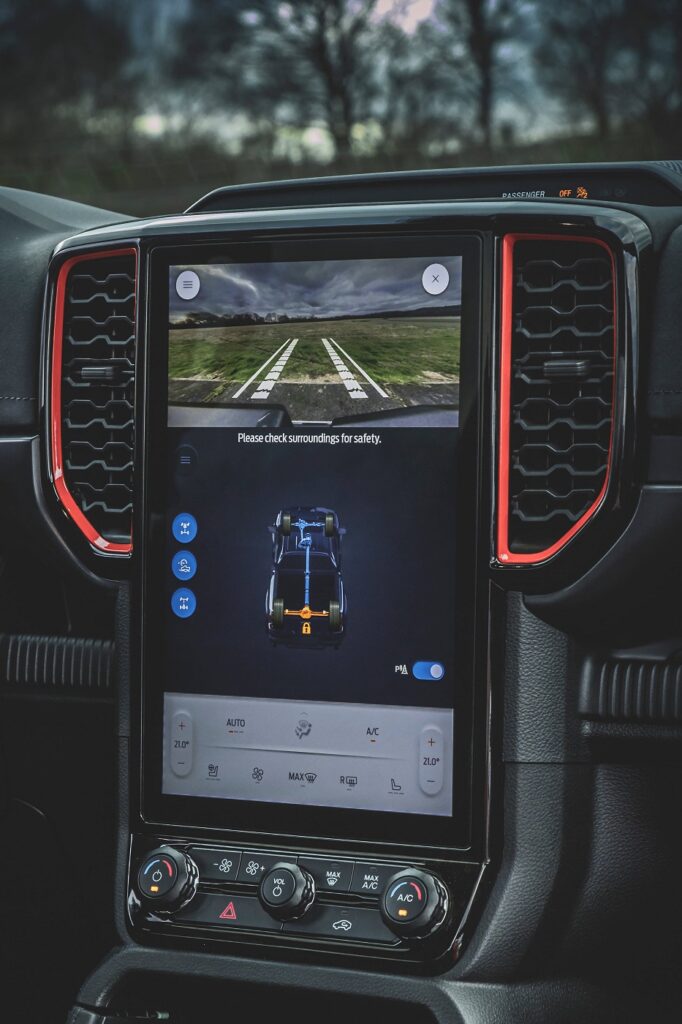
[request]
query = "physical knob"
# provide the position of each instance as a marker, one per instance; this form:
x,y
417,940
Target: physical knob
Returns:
x,y
286,891
167,879
414,904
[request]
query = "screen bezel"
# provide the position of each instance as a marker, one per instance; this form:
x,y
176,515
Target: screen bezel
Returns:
x,y
266,819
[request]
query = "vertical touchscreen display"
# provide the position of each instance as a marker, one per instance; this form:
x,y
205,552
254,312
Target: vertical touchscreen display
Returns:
x,y
308,619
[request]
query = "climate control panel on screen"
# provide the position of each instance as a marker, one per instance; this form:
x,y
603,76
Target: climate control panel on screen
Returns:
x,y
321,754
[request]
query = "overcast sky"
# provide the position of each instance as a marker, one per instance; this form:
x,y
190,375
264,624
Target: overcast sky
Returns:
x,y
322,288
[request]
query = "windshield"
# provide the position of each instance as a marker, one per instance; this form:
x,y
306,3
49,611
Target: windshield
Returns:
x,y
144,107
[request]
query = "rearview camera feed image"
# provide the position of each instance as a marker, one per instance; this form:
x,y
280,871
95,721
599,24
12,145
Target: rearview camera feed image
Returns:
x,y
324,340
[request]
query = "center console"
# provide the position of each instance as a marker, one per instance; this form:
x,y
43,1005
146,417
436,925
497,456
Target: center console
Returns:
x,y
307,593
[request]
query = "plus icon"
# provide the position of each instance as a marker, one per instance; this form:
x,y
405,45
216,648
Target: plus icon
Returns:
x,y
430,741
182,725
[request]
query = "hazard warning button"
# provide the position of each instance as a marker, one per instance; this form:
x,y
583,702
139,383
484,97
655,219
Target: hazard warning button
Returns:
x,y
225,911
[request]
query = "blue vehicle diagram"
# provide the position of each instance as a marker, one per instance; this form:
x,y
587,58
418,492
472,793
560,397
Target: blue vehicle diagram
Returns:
x,y
306,602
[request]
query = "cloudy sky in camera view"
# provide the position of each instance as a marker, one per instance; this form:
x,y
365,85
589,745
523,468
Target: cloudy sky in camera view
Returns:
x,y
322,289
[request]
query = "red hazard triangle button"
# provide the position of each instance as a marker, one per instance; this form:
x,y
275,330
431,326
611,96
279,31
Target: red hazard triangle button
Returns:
x,y
229,913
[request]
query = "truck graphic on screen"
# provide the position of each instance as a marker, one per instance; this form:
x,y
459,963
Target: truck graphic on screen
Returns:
x,y
306,602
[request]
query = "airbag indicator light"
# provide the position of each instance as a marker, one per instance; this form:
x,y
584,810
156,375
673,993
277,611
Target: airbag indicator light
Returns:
x,y
430,671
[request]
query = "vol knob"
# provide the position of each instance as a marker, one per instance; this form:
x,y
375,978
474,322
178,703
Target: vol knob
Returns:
x,y
286,891
414,904
167,879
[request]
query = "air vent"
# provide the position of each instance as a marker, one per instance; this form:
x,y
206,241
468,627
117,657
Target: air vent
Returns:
x,y
557,365
93,376
57,663
632,691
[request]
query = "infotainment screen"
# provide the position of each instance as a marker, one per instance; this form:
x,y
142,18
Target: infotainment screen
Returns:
x,y
305,550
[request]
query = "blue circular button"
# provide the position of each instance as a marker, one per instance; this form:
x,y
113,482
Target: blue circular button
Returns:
x,y
184,528
184,603
184,565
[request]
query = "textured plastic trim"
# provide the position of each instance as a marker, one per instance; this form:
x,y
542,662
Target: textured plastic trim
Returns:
x,y
504,554
57,663
67,500
632,691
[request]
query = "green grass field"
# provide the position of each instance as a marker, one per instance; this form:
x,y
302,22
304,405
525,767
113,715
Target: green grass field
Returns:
x,y
400,351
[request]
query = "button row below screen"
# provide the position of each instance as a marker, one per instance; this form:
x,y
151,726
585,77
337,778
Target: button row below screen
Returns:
x,y
337,922
221,865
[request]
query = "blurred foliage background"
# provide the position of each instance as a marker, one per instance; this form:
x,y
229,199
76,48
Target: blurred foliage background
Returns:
x,y
144,105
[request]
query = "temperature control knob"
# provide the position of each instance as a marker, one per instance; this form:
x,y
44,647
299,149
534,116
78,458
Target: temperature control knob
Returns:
x,y
286,891
167,879
414,904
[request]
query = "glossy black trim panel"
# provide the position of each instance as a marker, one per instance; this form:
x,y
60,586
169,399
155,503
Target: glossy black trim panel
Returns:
x,y
261,935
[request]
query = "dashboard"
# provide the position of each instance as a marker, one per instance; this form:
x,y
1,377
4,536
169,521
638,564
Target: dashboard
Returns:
x,y
383,477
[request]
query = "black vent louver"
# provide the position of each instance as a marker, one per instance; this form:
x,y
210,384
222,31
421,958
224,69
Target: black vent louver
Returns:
x,y
634,691
57,663
561,377
97,385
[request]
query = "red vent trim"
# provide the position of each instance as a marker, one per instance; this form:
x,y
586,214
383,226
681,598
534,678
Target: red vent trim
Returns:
x,y
67,500
504,554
